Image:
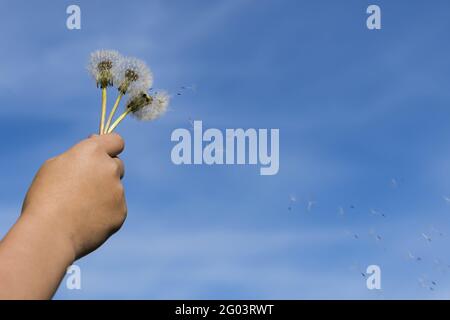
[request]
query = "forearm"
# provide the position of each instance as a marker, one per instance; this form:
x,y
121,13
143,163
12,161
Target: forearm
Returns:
x,y
34,256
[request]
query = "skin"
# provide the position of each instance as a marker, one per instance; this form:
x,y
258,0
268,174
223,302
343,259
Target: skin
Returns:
x,y
74,204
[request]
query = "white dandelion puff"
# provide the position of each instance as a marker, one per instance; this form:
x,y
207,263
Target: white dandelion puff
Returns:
x,y
139,101
132,76
157,107
144,107
101,66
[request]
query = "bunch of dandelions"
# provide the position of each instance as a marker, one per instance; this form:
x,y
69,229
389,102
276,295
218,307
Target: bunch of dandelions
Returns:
x,y
131,77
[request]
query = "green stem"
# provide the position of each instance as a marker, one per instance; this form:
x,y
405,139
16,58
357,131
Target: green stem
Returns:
x,y
119,120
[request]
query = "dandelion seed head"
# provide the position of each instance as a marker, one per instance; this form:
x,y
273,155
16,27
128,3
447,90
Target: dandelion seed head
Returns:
x,y
153,110
132,76
139,101
101,66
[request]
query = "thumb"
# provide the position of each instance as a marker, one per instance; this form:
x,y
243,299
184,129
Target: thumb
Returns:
x,y
112,143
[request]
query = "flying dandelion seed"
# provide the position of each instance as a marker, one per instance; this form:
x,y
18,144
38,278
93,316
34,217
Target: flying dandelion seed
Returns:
x,y
375,235
422,282
185,88
394,183
352,234
310,205
292,201
341,211
447,199
192,88
377,213
426,237
425,283
413,257
358,269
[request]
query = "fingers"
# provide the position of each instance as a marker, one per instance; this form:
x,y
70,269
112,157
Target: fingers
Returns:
x,y
112,143
120,167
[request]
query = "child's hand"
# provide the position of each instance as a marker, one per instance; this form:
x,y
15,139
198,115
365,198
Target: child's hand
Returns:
x,y
74,204
80,193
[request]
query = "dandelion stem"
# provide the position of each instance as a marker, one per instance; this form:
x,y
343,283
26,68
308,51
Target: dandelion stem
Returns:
x,y
102,120
119,120
112,113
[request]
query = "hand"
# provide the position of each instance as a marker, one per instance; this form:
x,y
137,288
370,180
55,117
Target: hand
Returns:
x,y
79,193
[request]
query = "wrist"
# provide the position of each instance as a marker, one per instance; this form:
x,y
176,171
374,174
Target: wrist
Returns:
x,y
48,234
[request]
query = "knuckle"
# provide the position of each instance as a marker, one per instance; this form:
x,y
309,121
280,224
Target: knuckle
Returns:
x,y
120,140
113,167
120,167
121,191
118,193
124,212
90,146
119,219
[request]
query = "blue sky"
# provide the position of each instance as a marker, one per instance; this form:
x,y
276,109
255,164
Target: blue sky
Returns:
x,y
355,108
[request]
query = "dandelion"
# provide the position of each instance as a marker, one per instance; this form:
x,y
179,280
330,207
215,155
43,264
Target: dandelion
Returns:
x,y
144,107
130,76
155,109
101,66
